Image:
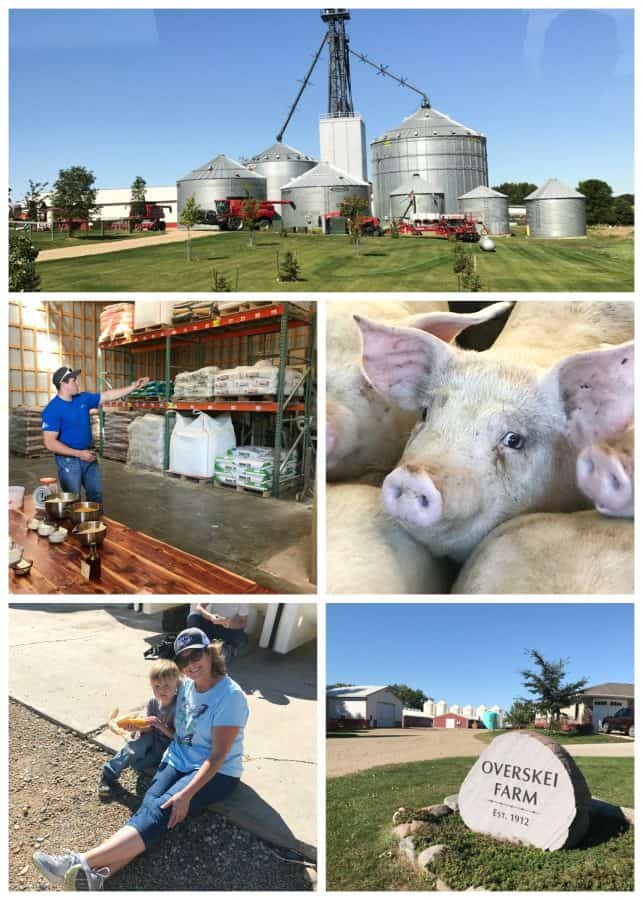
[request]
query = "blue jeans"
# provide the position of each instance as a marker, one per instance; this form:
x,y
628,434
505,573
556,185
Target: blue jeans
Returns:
x,y
151,821
74,473
236,637
143,752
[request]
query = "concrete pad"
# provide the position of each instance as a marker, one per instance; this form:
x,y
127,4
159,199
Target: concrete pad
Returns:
x,y
173,236
95,663
626,749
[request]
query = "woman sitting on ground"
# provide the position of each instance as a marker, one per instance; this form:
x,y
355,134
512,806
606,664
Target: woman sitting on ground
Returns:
x,y
201,766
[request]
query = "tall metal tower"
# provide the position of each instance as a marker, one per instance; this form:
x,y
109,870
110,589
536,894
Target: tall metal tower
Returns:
x,y
340,101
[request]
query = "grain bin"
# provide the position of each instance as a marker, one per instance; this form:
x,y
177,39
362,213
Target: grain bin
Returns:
x,y
556,210
217,179
449,156
319,191
490,206
441,708
413,198
279,164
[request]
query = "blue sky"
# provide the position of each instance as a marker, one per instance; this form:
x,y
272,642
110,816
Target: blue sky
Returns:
x,y
473,653
156,93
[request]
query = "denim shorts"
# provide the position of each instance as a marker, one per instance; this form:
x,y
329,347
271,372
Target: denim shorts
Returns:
x,y
151,821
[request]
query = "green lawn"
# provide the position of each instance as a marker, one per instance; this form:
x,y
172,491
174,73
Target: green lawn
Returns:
x,y
598,263
562,738
42,239
360,857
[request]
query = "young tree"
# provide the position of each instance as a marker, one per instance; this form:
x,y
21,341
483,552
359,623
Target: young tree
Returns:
x,y
547,685
516,191
190,216
22,270
521,714
289,268
137,197
249,210
353,208
599,202
411,699
74,195
33,198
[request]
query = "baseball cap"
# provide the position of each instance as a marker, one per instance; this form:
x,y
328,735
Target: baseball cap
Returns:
x,y
190,637
63,373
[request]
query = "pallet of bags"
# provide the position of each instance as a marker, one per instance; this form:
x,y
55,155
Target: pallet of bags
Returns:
x,y
146,441
226,382
263,378
150,314
255,467
225,467
25,432
181,312
116,320
94,424
116,434
198,385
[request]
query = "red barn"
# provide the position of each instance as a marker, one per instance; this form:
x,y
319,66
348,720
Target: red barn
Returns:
x,y
453,720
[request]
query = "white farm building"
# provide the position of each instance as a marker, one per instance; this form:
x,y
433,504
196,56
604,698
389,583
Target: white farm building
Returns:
x,y
373,705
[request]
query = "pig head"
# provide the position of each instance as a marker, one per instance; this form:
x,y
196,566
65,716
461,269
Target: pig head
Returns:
x,y
492,439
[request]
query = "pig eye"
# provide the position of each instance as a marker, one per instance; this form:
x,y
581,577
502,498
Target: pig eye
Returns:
x,y
513,440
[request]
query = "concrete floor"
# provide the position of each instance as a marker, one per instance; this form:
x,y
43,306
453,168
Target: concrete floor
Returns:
x,y
264,539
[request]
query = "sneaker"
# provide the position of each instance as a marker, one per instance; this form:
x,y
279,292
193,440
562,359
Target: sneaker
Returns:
x,y
105,788
53,867
80,877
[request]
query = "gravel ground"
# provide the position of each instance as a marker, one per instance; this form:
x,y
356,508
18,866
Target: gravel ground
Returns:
x,y
53,804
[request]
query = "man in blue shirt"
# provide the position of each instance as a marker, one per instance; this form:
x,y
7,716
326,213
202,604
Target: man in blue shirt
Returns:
x,y
67,431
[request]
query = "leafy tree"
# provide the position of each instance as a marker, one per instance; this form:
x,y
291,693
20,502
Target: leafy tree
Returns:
x,y
353,209
190,216
599,201
22,270
546,683
137,197
74,195
395,229
249,210
33,198
624,209
521,714
516,191
411,699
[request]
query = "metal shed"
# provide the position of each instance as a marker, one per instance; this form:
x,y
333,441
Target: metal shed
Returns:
x,y
490,206
556,210
375,705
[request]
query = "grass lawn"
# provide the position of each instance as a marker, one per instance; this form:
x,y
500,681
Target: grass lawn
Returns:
x,y
42,239
598,263
360,857
562,738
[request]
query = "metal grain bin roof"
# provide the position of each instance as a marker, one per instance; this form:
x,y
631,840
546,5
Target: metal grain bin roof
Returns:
x,y
279,151
482,192
553,189
219,167
414,183
323,174
425,122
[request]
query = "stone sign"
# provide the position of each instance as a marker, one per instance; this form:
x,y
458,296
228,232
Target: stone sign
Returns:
x,y
526,788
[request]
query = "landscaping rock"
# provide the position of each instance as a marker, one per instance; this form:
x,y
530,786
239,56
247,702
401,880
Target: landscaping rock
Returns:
x,y
451,801
426,857
401,831
629,815
407,850
438,810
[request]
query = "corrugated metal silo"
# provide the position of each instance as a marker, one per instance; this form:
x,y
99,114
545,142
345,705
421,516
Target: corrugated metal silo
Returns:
x,y
441,708
319,191
468,711
490,206
414,197
449,156
279,164
217,179
455,709
556,210
429,707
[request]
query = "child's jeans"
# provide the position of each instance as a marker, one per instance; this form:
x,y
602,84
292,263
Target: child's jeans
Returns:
x,y
144,752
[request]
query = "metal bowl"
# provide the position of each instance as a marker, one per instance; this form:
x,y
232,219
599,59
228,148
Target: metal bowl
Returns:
x,y
58,507
84,512
89,533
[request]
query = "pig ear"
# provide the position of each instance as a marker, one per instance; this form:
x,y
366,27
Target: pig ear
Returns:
x,y
596,392
396,360
446,325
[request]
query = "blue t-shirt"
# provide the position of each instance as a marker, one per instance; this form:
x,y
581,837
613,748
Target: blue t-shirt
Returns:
x,y
196,715
69,419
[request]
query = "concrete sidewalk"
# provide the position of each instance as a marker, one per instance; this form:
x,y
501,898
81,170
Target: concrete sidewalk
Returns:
x,y
75,663
100,247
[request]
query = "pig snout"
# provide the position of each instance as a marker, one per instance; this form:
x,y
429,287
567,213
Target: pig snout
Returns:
x,y
409,494
602,477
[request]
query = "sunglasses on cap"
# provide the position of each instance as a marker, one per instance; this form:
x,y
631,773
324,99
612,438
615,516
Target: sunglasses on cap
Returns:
x,y
184,659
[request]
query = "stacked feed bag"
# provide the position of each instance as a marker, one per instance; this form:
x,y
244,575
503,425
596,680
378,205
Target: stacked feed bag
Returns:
x,y
188,311
225,467
226,382
116,434
181,312
25,432
94,422
196,442
252,467
263,378
145,447
199,385
153,390
116,320
150,313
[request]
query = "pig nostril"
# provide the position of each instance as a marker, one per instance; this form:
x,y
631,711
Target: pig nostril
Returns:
x,y
616,484
424,500
398,493
589,466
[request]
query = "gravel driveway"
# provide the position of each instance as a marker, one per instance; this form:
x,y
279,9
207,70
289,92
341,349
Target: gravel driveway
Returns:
x,y
384,746
53,804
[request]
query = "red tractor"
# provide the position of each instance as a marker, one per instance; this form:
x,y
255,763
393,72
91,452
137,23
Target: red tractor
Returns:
x,y
458,226
229,214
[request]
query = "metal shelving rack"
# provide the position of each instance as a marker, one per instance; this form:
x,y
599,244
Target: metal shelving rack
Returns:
x,y
277,318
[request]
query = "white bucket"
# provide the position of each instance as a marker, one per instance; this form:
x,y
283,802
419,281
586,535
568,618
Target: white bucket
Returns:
x,y
16,496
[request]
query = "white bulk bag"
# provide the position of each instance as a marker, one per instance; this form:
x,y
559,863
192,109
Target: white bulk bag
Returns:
x,y
197,441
